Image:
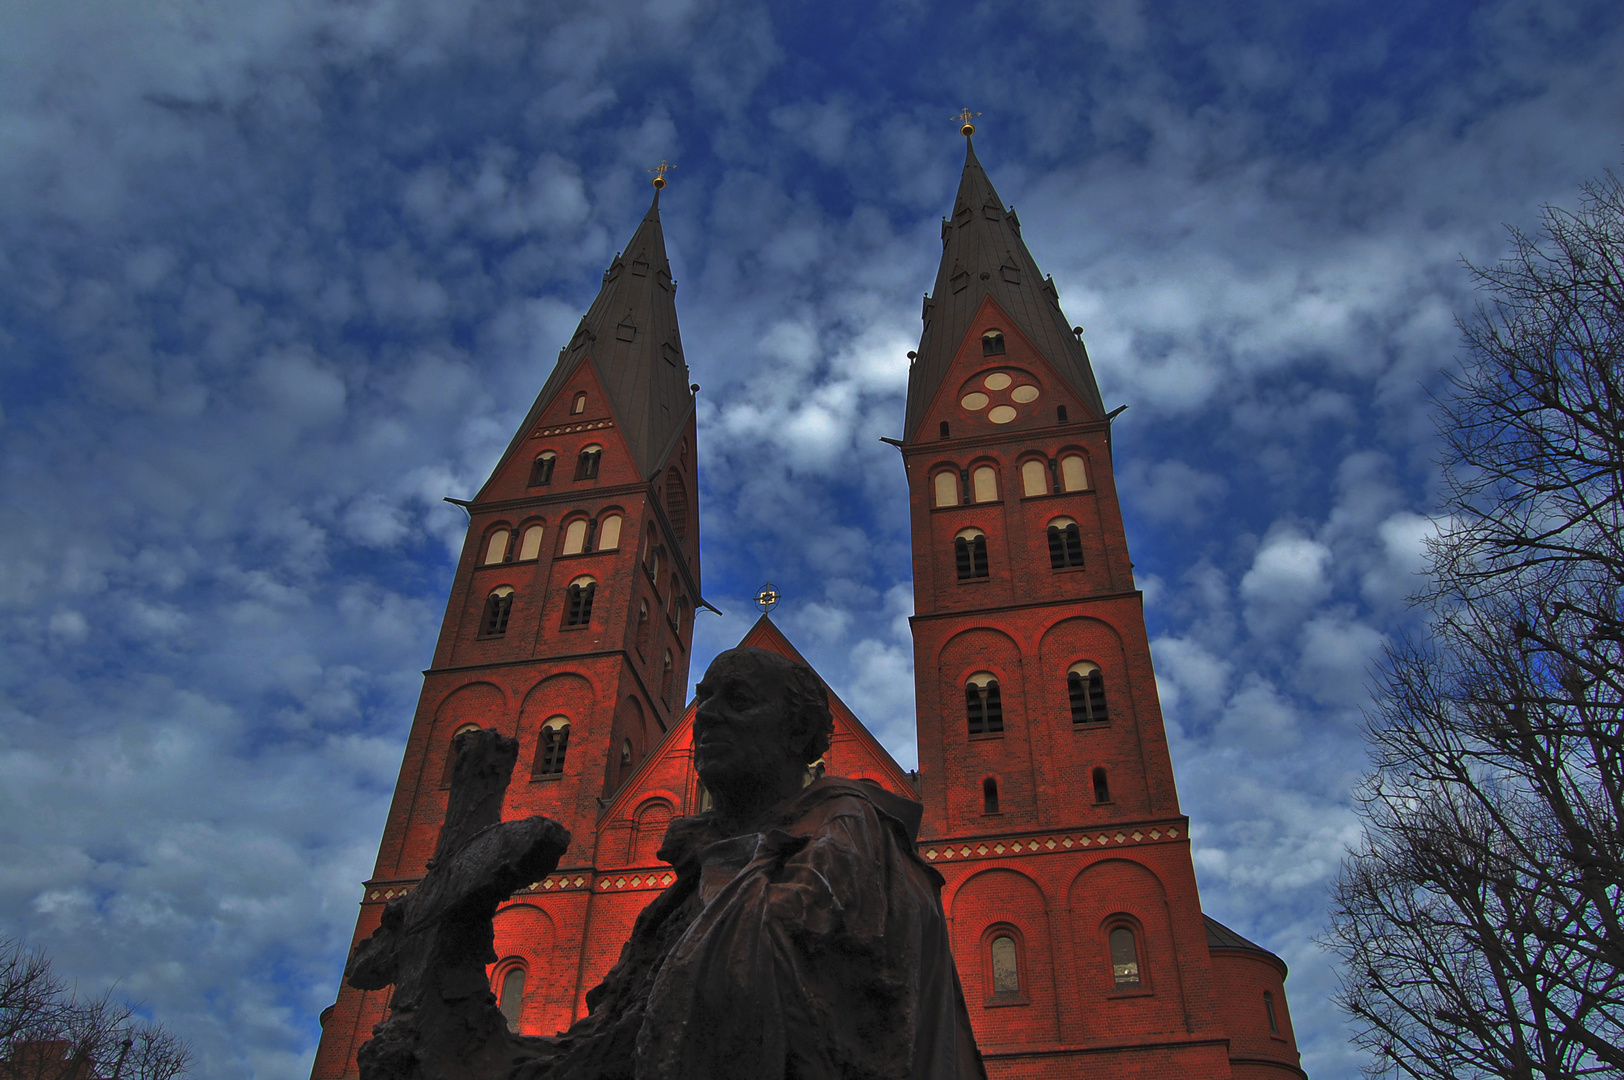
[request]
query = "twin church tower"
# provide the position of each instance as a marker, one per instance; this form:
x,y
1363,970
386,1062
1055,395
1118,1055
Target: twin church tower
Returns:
x,y
1050,806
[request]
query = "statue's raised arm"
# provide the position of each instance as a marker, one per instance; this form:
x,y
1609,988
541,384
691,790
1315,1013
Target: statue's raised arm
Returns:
x,y
434,944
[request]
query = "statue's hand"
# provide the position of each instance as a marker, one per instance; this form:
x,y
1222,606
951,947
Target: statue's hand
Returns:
x,y
373,964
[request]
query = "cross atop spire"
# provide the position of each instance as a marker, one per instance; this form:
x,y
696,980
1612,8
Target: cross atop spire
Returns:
x,y
659,172
965,116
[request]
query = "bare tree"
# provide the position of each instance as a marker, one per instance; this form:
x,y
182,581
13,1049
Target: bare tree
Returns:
x,y
49,1032
1479,921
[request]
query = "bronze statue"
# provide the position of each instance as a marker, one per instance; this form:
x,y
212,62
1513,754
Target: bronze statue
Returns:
x,y
803,937
802,940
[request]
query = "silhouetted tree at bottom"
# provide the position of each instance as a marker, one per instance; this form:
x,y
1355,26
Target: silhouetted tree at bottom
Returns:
x,y
1479,921
48,1032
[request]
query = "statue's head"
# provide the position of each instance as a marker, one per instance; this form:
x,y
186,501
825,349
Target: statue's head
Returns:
x,y
760,719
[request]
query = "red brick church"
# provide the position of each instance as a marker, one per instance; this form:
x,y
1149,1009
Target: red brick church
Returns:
x,y
1050,805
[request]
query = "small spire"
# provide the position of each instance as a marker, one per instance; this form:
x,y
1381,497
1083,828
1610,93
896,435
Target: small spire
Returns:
x,y
966,128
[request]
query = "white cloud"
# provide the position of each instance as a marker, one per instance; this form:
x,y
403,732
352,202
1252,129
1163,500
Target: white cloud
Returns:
x,y
1287,578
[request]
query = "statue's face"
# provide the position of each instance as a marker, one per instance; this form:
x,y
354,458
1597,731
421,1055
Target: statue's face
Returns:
x,y
739,721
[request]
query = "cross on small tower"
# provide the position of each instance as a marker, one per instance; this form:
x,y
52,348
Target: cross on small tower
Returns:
x,y
966,129
659,172
768,597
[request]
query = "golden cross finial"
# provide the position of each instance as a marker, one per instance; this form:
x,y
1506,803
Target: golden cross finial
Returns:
x,y
965,116
659,172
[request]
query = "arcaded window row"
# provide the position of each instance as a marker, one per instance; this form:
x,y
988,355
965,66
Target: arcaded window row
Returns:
x,y
582,534
1040,475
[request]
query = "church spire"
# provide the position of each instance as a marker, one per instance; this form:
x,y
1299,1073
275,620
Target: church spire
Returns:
x,y
629,336
983,255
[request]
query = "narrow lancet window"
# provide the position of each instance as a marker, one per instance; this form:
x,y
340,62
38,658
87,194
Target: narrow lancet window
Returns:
x,y
550,751
1006,972
1124,958
1065,544
578,601
983,704
1085,688
970,554
498,605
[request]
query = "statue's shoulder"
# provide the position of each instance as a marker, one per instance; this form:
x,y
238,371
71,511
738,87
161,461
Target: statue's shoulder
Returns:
x,y
832,796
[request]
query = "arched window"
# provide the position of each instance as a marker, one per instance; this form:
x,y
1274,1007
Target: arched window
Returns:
x,y
511,998
943,429
653,818
1006,969
578,406
676,503
554,744
984,482
586,466
578,601
609,533
575,537
989,795
671,602
1085,687
1034,477
1124,958
983,705
1065,544
498,605
1102,790
530,544
1060,413
666,673
642,626
947,488
970,554
496,547
651,556
992,343
541,469
681,618
1268,1012
625,753
451,754
1073,472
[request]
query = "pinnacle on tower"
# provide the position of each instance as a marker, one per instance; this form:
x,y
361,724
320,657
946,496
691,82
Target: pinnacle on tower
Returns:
x,y
983,255
629,335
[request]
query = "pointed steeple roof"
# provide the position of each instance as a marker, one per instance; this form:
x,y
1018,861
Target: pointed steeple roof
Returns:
x,y
629,336
983,255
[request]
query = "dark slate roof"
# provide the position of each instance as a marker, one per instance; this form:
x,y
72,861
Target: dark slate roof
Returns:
x,y
629,336
1220,936
982,255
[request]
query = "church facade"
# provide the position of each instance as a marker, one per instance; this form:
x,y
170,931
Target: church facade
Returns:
x,y
1050,805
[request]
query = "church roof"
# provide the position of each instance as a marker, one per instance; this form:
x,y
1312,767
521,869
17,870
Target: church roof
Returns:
x,y
629,336
1220,936
983,255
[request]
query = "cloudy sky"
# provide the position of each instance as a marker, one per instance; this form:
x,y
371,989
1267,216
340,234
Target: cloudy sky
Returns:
x,y
276,277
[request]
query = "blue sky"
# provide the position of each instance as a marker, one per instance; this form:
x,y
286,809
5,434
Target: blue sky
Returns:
x,y
275,278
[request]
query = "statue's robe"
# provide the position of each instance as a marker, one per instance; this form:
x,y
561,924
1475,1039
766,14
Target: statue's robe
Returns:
x,y
815,949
